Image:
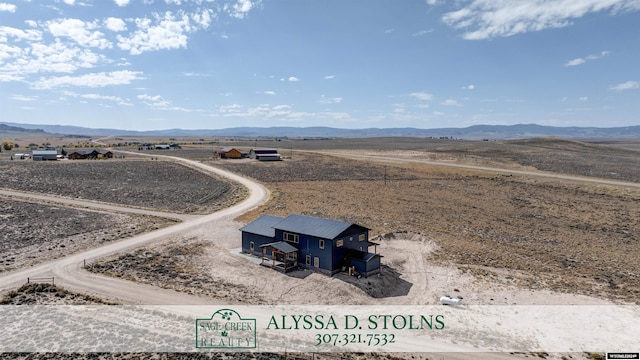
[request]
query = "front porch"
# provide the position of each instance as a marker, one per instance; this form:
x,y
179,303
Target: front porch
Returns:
x,y
284,257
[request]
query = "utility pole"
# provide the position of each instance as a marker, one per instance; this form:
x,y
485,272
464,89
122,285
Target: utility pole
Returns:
x,y
385,175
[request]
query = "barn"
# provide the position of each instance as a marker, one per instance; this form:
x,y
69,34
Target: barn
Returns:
x,y
229,153
44,154
299,241
265,154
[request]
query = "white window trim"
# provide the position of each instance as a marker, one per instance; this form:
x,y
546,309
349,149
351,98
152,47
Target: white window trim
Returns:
x,y
308,260
321,244
295,237
252,246
361,237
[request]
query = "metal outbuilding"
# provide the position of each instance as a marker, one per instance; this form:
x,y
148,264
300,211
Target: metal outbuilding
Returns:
x,y
44,154
265,154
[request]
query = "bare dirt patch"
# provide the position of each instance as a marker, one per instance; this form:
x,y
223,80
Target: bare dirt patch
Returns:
x,y
161,185
32,232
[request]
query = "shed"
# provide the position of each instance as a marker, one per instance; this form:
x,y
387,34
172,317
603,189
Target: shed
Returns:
x,y
162,147
324,245
265,154
44,154
229,153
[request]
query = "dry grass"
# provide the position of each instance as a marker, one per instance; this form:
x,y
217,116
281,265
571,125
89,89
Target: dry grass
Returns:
x,y
558,235
161,185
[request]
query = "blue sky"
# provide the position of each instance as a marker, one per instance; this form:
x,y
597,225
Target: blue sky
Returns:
x,y
159,64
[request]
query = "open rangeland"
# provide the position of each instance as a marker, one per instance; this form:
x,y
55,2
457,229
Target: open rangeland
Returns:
x,y
34,232
155,184
511,230
493,237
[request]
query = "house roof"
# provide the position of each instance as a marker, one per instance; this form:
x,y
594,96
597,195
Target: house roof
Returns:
x,y
45,152
314,226
282,246
227,149
264,225
89,151
264,151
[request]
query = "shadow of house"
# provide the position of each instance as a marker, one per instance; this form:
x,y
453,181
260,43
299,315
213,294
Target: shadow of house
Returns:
x,y
322,245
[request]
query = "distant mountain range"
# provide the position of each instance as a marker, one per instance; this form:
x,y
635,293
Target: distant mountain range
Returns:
x,y
476,132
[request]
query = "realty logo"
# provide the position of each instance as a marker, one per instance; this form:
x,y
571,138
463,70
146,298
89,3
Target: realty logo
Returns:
x,y
226,329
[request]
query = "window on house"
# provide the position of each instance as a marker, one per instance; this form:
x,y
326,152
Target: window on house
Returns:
x,y
321,245
251,246
308,260
294,238
316,261
292,256
350,238
339,243
361,237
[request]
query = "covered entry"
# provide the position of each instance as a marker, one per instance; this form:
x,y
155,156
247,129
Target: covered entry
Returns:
x,y
284,256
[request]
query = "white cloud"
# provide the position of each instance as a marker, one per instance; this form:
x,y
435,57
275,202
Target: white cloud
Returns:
x,y
485,19
92,80
469,87
293,78
79,31
584,98
422,96
269,92
230,108
157,102
19,34
333,100
46,58
328,77
203,18
421,33
115,24
69,2
115,99
580,61
7,7
241,8
629,85
22,98
122,2
451,102
169,33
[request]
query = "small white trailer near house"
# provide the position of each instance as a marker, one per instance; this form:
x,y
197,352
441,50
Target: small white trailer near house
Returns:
x,y
448,300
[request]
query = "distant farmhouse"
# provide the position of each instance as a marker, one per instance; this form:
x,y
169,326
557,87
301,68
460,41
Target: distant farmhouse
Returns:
x,y
231,153
300,241
44,154
89,154
265,154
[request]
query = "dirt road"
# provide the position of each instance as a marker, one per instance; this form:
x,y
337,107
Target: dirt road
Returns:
x,y
68,270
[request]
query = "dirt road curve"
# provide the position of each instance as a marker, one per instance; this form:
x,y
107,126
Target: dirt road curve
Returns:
x,y
68,270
